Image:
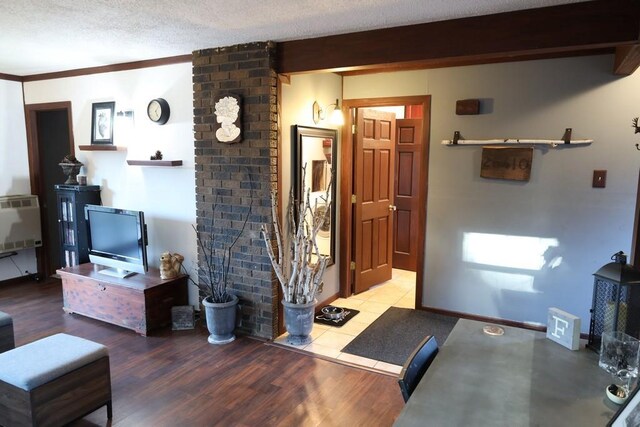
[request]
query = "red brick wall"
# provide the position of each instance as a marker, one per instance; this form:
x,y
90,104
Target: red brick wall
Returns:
x,y
222,171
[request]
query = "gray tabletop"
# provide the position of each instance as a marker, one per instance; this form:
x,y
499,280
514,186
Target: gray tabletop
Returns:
x,y
517,379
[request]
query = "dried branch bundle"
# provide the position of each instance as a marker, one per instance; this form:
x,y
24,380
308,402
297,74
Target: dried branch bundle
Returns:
x,y
216,250
300,267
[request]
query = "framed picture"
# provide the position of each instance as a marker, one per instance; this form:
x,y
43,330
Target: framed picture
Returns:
x,y
102,114
629,412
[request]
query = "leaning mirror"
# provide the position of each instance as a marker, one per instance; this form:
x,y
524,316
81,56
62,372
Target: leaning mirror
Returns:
x,y
316,148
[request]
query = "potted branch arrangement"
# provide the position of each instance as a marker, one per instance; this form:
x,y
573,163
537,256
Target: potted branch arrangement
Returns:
x,y
220,305
299,266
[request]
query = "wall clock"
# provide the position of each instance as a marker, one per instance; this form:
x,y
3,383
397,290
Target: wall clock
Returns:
x,y
158,111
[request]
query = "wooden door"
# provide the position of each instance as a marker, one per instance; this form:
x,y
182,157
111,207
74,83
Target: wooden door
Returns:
x,y
406,193
373,208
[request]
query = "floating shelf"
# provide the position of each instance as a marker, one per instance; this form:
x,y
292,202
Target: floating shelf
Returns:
x,y
154,162
101,147
565,141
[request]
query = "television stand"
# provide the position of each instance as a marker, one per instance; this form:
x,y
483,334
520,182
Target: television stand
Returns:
x,y
141,302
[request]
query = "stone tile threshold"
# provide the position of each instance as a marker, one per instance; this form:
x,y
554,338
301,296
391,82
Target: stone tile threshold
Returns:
x,y
327,341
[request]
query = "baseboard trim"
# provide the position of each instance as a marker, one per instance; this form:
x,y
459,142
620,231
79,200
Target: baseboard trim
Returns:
x,y
522,325
16,280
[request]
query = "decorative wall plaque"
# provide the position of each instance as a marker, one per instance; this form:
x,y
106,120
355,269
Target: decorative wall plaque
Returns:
x,y
506,163
228,126
182,317
466,107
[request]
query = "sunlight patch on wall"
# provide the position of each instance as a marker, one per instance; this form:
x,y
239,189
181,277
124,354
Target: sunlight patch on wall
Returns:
x,y
509,281
498,250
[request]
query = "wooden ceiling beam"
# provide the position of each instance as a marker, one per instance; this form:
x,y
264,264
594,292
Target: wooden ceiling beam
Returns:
x,y
565,30
627,59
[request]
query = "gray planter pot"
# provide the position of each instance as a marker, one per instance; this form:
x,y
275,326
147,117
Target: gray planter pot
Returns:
x,y
298,319
221,320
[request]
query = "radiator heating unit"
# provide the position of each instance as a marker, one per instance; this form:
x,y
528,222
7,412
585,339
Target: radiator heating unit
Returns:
x,y
19,223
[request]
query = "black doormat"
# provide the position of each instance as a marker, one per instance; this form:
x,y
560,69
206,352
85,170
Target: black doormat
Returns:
x,y
394,335
348,315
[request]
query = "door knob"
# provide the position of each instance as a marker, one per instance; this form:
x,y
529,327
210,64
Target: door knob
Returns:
x,y
392,207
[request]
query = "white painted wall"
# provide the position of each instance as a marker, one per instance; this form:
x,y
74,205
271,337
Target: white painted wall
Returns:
x,y
507,249
464,212
296,102
14,167
165,194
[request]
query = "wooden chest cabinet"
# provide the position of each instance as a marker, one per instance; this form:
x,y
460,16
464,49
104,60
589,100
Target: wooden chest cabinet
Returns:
x,y
141,302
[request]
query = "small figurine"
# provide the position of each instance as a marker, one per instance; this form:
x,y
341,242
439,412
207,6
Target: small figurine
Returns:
x,y
157,156
170,265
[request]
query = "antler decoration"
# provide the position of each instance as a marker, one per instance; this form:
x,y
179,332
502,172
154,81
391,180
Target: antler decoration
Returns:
x,y
634,124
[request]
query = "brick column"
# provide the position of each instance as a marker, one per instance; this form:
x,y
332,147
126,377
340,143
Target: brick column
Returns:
x,y
221,170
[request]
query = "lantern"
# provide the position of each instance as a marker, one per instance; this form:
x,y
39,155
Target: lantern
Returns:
x,y
616,301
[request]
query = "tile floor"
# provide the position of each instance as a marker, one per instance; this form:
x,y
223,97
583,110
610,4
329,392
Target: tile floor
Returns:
x,y
328,341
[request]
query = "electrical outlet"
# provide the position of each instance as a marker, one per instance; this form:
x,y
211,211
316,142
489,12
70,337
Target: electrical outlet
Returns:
x,y
599,179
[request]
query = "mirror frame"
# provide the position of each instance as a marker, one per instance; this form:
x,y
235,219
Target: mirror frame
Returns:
x,y
299,133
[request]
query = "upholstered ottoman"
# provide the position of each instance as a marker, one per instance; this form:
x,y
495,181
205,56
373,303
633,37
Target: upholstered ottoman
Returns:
x,y
53,381
6,332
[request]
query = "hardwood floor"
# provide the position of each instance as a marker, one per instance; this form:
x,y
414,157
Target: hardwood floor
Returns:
x,y
175,378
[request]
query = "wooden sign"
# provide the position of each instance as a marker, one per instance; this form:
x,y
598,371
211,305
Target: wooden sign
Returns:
x,y
506,163
467,107
182,317
228,111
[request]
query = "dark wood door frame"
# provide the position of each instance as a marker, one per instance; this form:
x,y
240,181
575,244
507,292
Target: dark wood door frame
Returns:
x,y
346,185
33,146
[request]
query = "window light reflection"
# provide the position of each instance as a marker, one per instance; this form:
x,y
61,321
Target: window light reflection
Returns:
x,y
509,281
522,252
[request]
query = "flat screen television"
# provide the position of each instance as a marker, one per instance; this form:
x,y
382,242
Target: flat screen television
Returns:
x,y
117,239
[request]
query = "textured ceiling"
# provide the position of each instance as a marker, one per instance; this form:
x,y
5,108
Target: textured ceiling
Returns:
x,y
39,36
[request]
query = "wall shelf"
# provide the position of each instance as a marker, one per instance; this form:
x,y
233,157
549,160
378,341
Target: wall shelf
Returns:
x,y
154,162
101,147
554,143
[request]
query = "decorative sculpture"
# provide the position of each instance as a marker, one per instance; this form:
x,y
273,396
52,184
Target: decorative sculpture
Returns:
x,y
170,265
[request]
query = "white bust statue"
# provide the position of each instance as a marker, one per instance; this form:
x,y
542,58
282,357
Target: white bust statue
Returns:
x,y
226,111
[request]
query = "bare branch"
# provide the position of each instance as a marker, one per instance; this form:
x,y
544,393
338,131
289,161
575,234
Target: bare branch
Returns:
x,y
300,275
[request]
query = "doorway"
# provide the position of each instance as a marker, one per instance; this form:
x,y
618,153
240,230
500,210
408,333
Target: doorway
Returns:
x,y
349,255
49,139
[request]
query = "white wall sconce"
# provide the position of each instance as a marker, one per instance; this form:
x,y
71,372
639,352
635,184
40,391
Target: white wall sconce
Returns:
x,y
319,114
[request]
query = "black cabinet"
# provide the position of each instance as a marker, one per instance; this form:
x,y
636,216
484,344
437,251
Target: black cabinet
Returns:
x,y
72,227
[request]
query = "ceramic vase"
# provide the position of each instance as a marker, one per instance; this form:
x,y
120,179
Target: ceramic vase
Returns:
x,y
298,319
221,320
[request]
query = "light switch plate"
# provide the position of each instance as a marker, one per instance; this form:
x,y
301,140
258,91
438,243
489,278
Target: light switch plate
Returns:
x,y
599,179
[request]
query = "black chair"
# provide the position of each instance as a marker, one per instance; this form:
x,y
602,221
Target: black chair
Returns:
x,y
416,365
